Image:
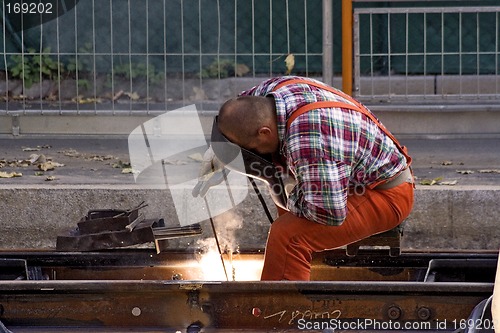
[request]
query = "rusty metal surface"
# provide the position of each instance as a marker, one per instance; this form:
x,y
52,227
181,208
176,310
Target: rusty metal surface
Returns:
x,y
103,229
230,305
118,291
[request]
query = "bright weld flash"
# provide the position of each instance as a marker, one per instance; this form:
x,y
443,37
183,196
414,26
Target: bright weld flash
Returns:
x,y
238,269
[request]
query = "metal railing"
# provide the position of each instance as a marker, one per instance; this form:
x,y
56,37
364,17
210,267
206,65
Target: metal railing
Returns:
x,y
135,57
146,56
427,55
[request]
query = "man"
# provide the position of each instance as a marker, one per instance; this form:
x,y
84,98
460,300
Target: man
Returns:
x,y
352,179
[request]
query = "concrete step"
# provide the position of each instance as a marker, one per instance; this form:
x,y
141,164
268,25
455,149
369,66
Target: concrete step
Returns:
x,y
35,210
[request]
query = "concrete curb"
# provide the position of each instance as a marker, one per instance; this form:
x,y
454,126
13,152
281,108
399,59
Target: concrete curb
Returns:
x,y
444,217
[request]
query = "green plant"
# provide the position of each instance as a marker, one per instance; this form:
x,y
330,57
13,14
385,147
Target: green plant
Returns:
x,y
222,68
82,63
31,67
138,70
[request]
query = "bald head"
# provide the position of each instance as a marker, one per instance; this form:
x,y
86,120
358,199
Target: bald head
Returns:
x,y
240,119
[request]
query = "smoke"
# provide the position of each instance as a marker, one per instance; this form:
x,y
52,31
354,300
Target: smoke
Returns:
x,y
225,225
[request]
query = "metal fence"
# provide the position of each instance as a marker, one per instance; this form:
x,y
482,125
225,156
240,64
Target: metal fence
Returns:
x,y
434,55
139,56
146,56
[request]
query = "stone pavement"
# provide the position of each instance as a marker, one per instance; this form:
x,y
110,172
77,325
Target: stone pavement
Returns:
x,y
456,200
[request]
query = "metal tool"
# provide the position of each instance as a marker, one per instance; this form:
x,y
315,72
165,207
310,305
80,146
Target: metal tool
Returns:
x,y
216,238
111,228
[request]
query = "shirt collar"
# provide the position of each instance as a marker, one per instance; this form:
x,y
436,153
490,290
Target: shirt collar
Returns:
x,y
280,116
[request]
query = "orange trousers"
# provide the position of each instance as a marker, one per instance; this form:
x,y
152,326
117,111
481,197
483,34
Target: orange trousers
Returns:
x,y
292,240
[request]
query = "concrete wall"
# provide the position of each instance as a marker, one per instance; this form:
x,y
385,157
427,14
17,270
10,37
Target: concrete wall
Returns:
x,y
443,217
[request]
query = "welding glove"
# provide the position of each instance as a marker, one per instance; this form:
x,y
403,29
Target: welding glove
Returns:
x,y
212,173
289,183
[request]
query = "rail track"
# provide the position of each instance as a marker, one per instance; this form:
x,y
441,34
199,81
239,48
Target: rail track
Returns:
x,y
139,290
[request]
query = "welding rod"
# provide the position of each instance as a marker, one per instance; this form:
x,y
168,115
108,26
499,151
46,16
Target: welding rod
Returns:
x,y
216,238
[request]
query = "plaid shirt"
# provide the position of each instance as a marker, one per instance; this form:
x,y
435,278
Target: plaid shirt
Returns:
x,y
331,152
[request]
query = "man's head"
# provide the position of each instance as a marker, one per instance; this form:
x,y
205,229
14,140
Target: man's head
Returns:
x,y
250,122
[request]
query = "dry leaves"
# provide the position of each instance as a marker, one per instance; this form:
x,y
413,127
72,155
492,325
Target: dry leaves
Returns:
x,y
289,63
49,165
4,174
85,100
490,171
465,172
438,181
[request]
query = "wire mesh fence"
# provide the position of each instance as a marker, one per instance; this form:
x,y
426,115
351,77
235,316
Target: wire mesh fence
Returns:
x,y
146,56
128,56
427,54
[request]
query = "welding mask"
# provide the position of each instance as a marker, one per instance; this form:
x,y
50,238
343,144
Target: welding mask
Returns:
x,y
254,165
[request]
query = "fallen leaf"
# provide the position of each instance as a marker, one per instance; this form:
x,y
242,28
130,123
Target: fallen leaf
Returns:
x,y
465,172
241,69
121,165
49,165
10,174
39,173
175,162
127,170
34,158
82,100
117,95
31,148
447,163
490,171
430,181
50,178
199,94
448,182
289,63
70,153
132,95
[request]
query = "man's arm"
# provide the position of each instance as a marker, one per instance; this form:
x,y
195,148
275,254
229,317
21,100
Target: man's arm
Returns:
x,y
321,191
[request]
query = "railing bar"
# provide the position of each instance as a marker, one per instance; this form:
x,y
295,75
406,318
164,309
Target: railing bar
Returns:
x,y
112,60
396,10
425,52
253,37
58,46
271,32
496,51
287,27
200,55
306,48
131,84
183,54
94,56
389,55
460,52
148,79
407,34
77,74
442,56
6,66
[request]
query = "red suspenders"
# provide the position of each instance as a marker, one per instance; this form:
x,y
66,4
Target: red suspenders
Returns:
x,y
333,104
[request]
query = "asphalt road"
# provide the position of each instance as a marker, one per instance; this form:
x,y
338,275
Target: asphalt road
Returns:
x,y
103,160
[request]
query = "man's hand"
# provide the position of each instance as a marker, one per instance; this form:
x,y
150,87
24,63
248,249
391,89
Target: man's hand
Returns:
x,y
212,173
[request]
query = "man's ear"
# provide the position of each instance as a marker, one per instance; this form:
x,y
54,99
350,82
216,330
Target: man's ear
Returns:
x,y
264,130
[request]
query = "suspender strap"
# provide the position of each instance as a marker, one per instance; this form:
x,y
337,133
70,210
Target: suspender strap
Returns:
x,y
336,104
319,105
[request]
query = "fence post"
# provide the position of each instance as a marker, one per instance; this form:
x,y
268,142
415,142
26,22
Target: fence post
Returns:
x,y
327,42
347,46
